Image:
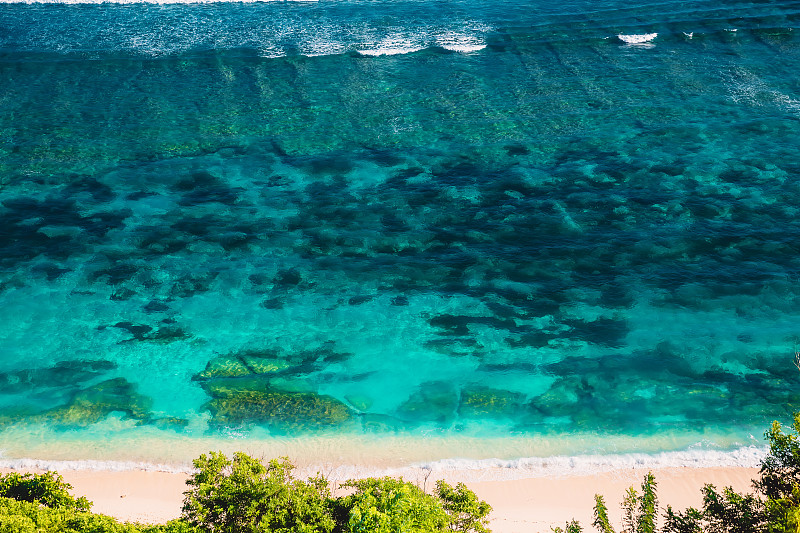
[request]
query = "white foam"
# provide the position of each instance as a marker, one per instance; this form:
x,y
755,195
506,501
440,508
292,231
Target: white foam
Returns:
x,y
392,45
464,48
472,470
460,42
389,50
107,466
637,38
746,457
459,469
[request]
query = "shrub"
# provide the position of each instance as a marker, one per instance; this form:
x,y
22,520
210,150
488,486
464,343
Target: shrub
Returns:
x,y
390,505
466,512
31,517
242,495
48,489
780,469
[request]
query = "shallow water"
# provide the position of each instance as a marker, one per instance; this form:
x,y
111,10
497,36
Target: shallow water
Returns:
x,y
233,224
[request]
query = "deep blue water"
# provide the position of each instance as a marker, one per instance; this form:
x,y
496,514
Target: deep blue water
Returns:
x,y
483,218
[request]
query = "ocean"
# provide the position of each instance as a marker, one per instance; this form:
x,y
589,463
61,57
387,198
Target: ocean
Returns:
x,y
398,231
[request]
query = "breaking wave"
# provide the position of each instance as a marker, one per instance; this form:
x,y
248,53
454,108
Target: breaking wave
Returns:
x,y
637,38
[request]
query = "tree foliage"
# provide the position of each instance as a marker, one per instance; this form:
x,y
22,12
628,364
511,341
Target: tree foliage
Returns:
x,y
726,511
780,469
242,495
17,516
601,521
732,512
391,505
48,489
686,522
639,511
648,506
467,514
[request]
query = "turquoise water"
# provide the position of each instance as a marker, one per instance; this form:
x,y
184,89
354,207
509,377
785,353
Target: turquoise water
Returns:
x,y
574,224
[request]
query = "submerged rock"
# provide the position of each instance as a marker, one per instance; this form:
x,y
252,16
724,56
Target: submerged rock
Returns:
x,y
224,367
271,388
270,362
266,366
93,404
481,402
278,410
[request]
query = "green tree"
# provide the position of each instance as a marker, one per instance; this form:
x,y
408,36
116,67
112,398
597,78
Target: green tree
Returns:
x,y
783,515
780,469
242,495
48,489
629,510
18,516
639,511
687,522
601,521
648,506
732,512
391,505
467,513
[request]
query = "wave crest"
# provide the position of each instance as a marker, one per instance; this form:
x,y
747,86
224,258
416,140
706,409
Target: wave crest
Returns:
x,y
637,38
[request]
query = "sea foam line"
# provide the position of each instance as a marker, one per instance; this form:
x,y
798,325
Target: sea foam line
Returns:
x,y
459,469
100,466
746,457
473,470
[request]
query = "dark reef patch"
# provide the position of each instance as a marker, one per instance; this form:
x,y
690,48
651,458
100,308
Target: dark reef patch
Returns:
x,y
85,404
90,405
67,374
271,387
483,402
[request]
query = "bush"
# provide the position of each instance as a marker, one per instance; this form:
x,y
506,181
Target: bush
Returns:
x,y
390,505
465,511
242,495
48,489
780,469
31,517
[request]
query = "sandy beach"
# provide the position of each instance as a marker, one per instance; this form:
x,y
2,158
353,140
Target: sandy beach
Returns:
x,y
528,505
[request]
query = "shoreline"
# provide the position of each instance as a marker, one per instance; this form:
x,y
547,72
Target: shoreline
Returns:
x,y
522,505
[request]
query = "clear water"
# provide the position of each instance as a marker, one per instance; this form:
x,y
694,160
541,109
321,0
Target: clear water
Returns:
x,y
436,224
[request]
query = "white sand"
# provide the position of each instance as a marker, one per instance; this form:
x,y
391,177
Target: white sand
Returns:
x,y
520,506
